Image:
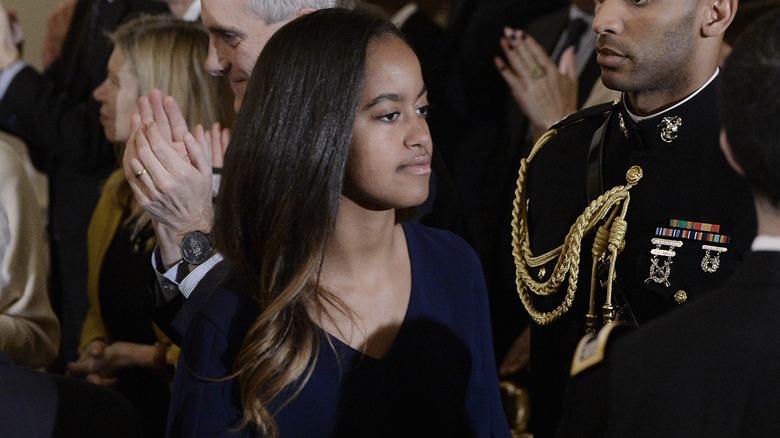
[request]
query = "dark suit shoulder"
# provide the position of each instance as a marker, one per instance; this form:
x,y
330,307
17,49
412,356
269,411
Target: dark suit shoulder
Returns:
x,y
549,27
589,113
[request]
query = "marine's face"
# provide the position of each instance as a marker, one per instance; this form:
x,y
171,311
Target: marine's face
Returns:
x,y
236,38
390,159
646,45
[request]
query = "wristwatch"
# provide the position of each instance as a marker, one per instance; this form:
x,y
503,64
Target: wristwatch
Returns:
x,y
195,247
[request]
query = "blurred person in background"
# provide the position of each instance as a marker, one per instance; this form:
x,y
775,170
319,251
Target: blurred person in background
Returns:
x,y
120,346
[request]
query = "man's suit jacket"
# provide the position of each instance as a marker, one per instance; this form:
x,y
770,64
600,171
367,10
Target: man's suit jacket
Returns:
x,y
547,30
709,368
467,125
37,404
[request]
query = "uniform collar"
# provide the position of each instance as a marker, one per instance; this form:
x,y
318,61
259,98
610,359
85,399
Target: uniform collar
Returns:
x,y
675,125
637,118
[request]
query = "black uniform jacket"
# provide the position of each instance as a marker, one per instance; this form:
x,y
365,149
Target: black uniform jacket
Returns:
x,y
706,370
687,188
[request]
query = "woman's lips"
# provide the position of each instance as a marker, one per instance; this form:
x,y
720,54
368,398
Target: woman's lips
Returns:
x,y
419,165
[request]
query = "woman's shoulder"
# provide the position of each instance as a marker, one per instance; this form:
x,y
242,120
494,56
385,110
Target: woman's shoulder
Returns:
x,y
438,244
442,261
421,234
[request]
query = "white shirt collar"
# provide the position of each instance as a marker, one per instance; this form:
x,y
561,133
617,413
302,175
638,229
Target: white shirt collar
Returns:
x,y
193,12
403,14
637,118
766,243
575,13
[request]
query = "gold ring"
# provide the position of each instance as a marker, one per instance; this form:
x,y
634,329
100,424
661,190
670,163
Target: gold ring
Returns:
x,y
140,172
537,72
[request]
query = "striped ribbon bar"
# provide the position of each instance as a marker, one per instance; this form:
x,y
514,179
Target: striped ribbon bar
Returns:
x,y
693,235
691,225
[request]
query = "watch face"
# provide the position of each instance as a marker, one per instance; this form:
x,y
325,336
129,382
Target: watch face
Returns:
x,y
195,248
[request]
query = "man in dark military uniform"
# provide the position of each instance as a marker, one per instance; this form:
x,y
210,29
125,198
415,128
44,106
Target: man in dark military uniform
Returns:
x,y
709,369
677,219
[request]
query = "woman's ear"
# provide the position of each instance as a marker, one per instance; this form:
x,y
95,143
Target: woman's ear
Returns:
x,y
725,146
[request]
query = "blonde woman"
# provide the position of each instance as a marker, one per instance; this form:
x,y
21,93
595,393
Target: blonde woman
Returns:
x,y
120,345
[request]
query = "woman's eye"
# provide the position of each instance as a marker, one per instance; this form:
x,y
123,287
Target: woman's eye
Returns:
x,y
389,117
424,110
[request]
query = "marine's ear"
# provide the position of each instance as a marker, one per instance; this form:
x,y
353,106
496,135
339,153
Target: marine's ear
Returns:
x,y
719,16
725,146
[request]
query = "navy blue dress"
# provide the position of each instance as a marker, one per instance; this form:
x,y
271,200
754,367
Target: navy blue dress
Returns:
x,y
438,378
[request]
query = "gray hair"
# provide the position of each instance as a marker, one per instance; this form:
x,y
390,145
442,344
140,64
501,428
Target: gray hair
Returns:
x,y
274,11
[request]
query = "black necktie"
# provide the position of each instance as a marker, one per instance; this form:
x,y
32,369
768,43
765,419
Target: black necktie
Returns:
x,y
574,32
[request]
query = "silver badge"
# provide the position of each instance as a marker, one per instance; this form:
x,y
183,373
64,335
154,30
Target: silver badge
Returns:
x,y
710,263
660,272
669,127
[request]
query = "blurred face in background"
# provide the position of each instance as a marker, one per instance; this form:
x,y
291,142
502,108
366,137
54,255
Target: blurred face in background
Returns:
x,y
237,36
118,95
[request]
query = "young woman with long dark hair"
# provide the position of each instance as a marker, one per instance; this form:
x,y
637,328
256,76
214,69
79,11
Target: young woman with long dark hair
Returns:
x,y
338,318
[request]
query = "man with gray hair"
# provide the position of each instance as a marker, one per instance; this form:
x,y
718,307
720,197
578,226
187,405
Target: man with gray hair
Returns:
x,y
170,171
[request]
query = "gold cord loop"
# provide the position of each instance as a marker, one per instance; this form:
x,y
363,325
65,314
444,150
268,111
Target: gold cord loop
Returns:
x,y
610,237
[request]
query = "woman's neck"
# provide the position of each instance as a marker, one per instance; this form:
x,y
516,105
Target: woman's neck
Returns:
x,y
367,268
363,239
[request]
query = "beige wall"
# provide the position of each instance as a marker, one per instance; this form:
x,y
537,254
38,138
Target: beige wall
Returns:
x,y
32,14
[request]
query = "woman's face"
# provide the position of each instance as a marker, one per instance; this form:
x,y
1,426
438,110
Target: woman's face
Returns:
x,y
118,95
390,159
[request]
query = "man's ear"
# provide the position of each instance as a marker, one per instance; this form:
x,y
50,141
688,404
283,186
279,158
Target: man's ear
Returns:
x,y
720,14
725,146
304,11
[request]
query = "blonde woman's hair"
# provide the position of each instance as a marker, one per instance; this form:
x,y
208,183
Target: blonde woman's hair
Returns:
x,y
167,53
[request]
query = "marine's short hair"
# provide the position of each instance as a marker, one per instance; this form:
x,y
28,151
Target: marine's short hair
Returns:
x,y
750,104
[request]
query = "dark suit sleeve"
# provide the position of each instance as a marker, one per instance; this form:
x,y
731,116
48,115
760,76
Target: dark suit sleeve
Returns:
x,y
43,117
174,316
164,312
91,411
203,403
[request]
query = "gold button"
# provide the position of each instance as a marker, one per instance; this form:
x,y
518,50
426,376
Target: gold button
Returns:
x,y
680,296
634,174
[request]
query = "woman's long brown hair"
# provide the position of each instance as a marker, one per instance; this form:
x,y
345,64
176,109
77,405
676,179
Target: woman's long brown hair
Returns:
x,y
281,190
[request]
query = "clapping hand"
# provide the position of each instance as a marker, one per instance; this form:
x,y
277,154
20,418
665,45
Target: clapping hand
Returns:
x,y
544,91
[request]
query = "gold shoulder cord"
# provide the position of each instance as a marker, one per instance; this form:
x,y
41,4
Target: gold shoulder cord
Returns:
x,y
609,237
